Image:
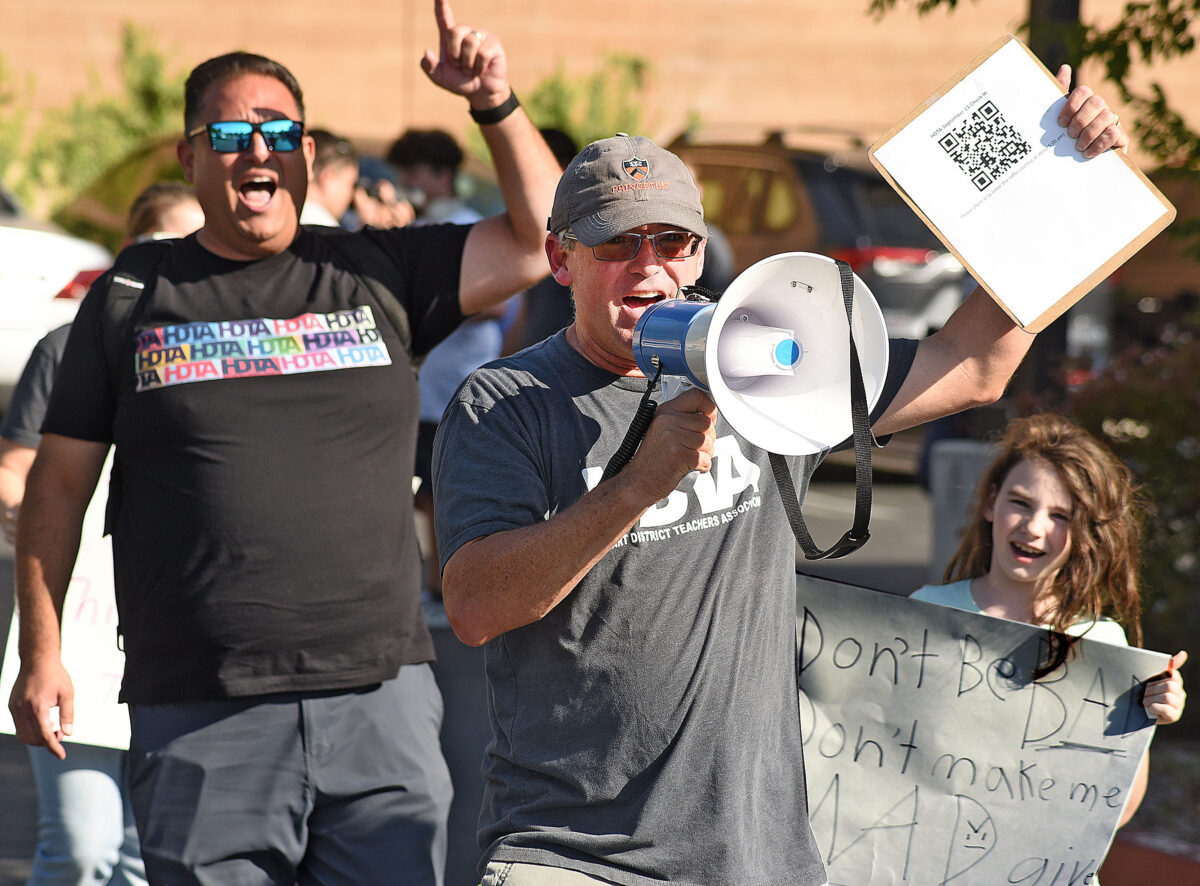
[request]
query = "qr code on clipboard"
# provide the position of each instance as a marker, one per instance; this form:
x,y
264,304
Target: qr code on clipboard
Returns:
x,y
984,145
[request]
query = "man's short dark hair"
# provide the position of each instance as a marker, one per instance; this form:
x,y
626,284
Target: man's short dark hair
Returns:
x,y
223,67
435,147
332,150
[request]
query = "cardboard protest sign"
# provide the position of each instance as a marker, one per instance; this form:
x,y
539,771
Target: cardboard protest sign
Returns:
x,y
934,758
89,639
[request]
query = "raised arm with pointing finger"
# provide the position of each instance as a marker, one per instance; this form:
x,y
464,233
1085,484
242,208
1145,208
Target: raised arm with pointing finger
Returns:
x,y
263,406
506,249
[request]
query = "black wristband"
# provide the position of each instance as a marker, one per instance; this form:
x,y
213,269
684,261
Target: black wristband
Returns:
x,y
498,113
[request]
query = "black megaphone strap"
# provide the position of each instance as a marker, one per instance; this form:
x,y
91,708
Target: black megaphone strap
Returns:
x,y
857,535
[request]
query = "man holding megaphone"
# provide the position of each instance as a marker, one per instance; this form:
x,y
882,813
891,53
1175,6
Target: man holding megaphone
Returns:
x,y
641,631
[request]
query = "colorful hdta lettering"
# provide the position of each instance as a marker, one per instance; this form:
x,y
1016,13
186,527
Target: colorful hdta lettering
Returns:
x,y
192,352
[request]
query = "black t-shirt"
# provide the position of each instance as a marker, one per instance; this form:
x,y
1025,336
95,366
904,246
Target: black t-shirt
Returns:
x,y
264,421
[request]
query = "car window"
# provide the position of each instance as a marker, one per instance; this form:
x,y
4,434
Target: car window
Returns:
x,y
747,200
731,197
779,205
890,220
832,196
858,208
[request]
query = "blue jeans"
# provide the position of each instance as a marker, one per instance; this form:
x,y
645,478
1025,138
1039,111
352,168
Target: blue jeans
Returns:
x,y
346,787
86,834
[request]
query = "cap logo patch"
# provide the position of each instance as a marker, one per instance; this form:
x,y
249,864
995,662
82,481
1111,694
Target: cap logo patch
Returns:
x,y
636,168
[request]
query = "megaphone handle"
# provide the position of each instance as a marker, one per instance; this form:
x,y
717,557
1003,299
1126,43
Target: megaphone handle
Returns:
x,y
857,535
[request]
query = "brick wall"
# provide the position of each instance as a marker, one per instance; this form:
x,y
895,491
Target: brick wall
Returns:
x,y
741,65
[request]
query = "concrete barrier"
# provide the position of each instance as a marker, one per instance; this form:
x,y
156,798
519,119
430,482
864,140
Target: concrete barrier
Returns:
x,y
955,467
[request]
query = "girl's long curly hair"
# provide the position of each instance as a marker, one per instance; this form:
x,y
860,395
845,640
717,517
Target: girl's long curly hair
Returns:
x,y
1100,575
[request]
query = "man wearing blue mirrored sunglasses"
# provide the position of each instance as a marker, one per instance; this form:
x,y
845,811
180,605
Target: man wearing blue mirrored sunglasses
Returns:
x,y
258,385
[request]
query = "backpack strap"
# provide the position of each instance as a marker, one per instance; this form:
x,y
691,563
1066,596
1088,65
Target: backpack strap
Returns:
x,y
371,266
130,280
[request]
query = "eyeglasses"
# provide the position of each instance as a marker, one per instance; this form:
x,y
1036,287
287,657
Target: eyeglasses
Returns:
x,y
668,245
234,136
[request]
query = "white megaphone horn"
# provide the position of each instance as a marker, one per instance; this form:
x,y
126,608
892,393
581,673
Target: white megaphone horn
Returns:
x,y
773,352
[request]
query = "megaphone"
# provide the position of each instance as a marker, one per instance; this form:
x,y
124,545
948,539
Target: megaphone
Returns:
x,y
774,351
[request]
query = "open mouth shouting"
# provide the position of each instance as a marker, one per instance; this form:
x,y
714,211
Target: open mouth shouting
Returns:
x,y
256,191
1024,552
644,300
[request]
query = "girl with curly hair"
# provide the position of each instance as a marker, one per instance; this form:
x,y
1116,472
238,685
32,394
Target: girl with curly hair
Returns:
x,y
1054,541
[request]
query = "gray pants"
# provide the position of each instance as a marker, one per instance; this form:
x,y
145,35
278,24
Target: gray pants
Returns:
x,y
507,873
295,788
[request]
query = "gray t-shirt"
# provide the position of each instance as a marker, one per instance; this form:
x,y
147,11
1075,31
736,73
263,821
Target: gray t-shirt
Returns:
x,y
647,729
23,419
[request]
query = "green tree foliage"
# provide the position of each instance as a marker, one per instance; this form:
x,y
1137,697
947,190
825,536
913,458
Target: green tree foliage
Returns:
x,y
12,125
1144,404
597,106
879,7
594,106
74,146
1156,31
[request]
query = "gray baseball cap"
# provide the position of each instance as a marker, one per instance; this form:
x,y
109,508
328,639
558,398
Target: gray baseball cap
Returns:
x,y
620,183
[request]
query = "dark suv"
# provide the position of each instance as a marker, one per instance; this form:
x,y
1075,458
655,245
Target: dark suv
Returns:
x,y
770,198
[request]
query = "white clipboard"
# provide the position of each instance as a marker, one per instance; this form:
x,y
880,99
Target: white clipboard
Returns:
x,y
985,164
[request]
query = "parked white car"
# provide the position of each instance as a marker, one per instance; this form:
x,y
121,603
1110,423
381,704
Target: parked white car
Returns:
x,y
44,274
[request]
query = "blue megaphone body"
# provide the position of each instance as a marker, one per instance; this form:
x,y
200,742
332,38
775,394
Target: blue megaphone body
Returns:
x,y
774,352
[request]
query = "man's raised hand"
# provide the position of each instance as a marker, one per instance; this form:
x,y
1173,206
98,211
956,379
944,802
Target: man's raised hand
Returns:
x,y
469,62
1089,120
